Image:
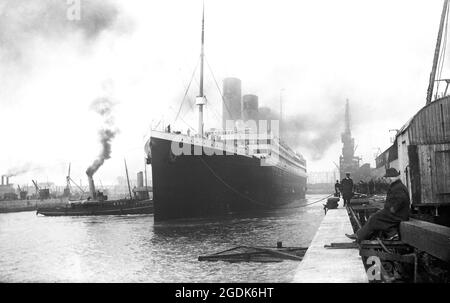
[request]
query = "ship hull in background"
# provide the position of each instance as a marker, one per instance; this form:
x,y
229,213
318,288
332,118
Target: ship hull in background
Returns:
x,y
189,186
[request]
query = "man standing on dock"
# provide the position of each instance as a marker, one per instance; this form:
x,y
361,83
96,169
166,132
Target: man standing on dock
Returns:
x,y
347,188
396,209
337,188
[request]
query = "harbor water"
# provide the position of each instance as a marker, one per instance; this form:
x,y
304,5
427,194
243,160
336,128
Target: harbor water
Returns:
x,y
136,249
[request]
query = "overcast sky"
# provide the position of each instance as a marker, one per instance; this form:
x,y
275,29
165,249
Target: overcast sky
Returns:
x,y
141,55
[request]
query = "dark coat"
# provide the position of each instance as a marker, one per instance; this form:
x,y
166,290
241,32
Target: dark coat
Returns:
x,y
385,220
347,187
398,198
337,187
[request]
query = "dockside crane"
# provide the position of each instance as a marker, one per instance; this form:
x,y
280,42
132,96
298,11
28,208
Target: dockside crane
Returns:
x,y
36,186
67,189
78,186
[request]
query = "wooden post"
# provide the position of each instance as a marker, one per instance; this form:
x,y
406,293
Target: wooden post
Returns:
x,y
146,185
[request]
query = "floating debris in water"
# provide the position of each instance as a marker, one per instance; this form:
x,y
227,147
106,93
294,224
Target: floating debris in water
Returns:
x,y
257,254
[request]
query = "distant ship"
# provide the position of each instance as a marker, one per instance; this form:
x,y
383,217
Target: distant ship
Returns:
x,y
223,171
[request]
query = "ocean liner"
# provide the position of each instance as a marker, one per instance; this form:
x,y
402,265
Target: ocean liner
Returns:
x,y
243,167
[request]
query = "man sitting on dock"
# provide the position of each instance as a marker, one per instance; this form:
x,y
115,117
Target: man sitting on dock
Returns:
x,y
396,209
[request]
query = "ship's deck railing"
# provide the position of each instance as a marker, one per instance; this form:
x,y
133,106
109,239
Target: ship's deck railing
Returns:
x,y
270,152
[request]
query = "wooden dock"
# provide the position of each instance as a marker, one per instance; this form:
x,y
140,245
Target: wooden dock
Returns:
x,y
325,265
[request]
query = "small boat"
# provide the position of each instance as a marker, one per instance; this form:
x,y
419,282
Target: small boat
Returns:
x,y
257,254
95,208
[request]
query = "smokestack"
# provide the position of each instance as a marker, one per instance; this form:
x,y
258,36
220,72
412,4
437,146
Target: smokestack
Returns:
x,y
250,107
265,113
232,104
7,180
140,179
91,186
2,180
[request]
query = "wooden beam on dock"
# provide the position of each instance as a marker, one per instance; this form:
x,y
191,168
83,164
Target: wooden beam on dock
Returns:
x,y
431,238
324,265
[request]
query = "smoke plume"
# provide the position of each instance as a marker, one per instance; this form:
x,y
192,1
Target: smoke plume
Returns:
x,y
103,107
25,23
306,131
22,169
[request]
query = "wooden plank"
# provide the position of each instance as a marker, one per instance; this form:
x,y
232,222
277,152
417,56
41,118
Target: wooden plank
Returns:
x,y
407,258
389,244
342,245
414,172
425,177
326,265
435,116
433,204
443,171
430,167
359,202
279,253
428,237
249,252
365,207
445,118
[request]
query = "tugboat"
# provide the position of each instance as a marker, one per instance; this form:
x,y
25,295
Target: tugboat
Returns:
x,y
98,204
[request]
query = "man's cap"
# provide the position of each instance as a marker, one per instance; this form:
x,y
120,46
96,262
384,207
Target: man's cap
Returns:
x,y
391,172
347,173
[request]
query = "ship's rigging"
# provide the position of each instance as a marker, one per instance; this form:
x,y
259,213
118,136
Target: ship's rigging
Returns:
x,y
439,57
201,99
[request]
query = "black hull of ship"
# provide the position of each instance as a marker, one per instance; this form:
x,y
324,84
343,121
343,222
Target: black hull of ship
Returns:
x,y
189,186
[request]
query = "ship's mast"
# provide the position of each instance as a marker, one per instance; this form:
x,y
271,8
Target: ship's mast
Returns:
x,y
128,179
201,100
436,54
281,113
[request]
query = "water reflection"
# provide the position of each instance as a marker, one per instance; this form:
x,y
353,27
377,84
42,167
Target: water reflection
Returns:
x,y
135,249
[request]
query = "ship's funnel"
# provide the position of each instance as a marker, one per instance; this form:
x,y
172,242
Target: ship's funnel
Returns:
x,y
140,179
5,180
232,108
91,187
250,107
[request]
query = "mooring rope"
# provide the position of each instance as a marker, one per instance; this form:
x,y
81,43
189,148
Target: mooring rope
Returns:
x,y
229,186
316,201
245,196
